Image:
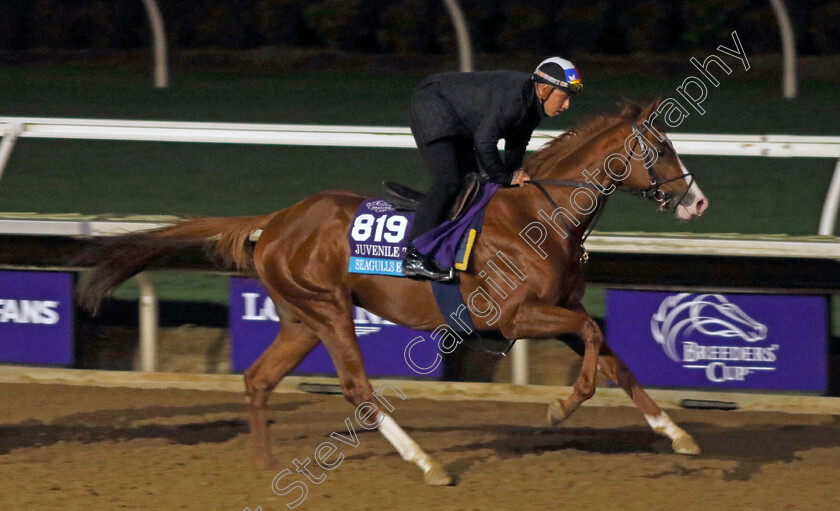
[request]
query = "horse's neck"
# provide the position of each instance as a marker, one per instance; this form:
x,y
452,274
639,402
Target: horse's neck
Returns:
x,y
589,158
586,170
585,167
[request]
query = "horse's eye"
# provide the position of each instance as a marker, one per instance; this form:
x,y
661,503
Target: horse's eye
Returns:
x,y
660,152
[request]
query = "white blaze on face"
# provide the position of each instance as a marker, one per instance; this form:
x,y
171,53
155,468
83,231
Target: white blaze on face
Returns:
x,y
699,202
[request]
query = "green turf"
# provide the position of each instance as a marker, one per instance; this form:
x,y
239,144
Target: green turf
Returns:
x,y
747,195
193,287
735,106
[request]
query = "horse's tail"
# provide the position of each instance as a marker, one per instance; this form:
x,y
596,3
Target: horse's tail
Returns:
x,y
119,258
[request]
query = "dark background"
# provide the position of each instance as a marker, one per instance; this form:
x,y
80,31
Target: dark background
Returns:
x,y
615,27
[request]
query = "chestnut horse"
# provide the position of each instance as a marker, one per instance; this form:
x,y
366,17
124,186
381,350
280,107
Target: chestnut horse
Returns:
x,y
302,259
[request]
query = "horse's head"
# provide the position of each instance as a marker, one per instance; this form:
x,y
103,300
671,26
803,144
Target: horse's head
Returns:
x,y
652,167
635,154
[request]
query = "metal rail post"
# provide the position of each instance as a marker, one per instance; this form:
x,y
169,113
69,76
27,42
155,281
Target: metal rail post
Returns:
x,y
788,49
8,143
519,362
159,41
148,323
461,34
832,200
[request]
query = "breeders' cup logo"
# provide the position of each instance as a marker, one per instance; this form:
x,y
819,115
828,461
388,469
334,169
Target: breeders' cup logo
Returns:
x,y
689,319
379,206
712,315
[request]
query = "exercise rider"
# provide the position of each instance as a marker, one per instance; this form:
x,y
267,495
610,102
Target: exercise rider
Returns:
x,y
457,120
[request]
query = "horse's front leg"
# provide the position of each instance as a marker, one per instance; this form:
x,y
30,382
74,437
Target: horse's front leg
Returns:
x,y
615,369
540,320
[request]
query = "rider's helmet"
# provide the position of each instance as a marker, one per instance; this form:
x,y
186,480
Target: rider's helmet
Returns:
x,y
560,73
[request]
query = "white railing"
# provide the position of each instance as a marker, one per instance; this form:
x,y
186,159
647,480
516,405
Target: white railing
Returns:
x,y
677,244
780,146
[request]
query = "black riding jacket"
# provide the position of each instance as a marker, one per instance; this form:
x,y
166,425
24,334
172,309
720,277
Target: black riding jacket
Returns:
x,y
483,106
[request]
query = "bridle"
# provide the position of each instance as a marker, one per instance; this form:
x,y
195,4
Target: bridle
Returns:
x,y
654,192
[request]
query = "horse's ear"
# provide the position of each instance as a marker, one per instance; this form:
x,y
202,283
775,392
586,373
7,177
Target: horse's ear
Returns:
x,y
650,109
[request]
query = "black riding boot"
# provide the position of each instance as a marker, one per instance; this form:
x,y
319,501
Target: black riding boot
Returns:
x,y
417,265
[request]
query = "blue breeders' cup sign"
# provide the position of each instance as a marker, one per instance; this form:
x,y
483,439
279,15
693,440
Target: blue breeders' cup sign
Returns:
x,y
36,317
725,341
378,238
254,324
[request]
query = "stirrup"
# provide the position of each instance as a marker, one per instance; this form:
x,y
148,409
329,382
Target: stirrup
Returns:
x,y
425,268
424,273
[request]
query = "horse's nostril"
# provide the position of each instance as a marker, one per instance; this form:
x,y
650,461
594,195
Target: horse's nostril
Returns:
x,y
702,204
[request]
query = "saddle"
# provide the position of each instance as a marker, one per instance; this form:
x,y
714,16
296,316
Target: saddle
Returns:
x,y
405,198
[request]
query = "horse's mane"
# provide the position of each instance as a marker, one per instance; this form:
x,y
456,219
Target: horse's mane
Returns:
x,y
547,158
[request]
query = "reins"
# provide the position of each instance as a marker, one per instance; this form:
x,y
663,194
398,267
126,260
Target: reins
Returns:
x,y
654,192
575,184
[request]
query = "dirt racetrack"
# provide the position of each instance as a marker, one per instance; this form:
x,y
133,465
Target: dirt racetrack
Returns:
x,y
91,448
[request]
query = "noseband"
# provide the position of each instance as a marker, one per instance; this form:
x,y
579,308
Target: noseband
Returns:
x,y
654,192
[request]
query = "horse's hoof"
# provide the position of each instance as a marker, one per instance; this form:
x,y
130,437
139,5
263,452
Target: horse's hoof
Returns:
x,y
685,445
436,476
556,412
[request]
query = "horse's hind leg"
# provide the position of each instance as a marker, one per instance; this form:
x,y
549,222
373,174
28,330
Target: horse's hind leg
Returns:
x,y
334,326
294,341
615,369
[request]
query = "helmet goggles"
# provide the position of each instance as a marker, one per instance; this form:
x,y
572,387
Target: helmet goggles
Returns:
x,y
574,86
559,73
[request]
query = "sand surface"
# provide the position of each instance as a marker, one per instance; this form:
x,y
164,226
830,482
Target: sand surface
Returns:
x,y
87,448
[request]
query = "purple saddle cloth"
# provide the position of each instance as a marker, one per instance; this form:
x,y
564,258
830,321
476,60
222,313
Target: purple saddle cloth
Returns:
x,y
447,242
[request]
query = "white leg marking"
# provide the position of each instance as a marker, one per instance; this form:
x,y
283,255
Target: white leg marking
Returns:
x,y
663,425
433,473
681,442
408,448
